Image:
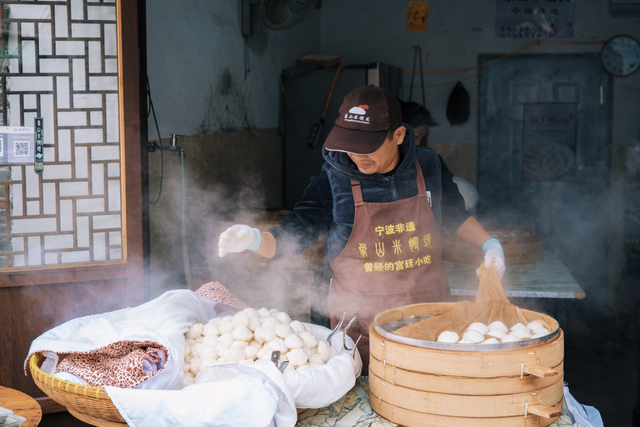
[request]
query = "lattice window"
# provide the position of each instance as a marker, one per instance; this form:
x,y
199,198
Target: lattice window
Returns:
x,y
60,62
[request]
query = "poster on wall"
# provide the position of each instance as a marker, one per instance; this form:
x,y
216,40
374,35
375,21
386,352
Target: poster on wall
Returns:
x,y
16,145
549,143
534,19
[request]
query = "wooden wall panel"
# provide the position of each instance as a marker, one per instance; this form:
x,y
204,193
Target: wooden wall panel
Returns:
x,y
40,308
6,346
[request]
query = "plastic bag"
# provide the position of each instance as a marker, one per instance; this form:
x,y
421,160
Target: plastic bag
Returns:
x,y
587,416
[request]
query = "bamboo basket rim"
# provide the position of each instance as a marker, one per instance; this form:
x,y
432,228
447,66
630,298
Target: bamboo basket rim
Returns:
x,y
95,392
76,398
433,345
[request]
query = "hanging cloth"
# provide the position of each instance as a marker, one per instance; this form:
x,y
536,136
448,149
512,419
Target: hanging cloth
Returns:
x,y
458,105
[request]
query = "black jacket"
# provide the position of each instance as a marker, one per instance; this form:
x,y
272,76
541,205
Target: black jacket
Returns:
x,y
327,206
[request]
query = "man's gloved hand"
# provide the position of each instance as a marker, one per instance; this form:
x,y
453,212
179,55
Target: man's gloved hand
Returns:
x,y
493,253
238,238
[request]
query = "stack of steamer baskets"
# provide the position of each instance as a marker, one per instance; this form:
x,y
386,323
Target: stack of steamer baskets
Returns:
x,y
425,383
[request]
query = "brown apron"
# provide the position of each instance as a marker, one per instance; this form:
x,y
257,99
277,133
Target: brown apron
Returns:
x,y
393,258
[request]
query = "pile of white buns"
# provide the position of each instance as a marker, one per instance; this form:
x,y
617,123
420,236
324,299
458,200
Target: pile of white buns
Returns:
x,y
495,333
251,335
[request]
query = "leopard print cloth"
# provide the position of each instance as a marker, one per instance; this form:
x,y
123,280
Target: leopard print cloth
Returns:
x,y
120,364
218,293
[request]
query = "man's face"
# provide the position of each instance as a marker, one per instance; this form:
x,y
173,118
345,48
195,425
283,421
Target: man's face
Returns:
x,y
383,160
421,132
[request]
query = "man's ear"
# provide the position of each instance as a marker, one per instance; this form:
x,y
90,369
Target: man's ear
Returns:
x,y
399,134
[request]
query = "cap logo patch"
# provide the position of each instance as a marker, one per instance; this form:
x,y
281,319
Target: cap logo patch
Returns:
x,y
357,114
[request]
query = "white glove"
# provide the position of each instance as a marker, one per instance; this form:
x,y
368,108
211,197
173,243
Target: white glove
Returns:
x,y
238,238
497,257
493,253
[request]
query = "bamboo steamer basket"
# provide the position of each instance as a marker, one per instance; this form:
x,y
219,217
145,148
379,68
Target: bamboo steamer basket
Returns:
x,y
419,383
520,246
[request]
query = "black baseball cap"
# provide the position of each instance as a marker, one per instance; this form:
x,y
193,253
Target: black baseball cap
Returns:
x,y
366,116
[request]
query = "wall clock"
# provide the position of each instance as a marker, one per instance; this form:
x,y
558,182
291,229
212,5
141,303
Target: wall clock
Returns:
x,y
621,56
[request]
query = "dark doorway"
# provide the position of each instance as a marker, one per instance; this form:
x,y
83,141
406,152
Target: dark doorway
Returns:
x,y
544,154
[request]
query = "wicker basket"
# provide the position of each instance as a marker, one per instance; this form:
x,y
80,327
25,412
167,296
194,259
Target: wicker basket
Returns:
x,y
88,404
93,402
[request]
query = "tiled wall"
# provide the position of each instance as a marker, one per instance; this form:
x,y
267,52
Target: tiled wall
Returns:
x,y
61,63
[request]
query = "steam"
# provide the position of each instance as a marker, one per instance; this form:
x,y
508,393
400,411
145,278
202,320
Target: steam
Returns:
x,y
220,195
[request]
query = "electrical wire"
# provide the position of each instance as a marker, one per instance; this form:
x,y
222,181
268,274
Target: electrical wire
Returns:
x,y
493,61
293,110
326,105
150,110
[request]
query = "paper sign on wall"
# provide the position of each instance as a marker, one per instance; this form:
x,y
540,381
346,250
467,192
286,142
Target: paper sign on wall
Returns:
x,y
549,143
417,16
534,19
17,144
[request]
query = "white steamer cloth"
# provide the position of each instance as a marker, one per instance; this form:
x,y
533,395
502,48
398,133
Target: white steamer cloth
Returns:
x,y
321,386
232,395
165,320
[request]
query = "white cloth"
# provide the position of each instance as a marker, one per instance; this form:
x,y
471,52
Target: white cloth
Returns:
x,y
273,380
585,416
160,401
232,395
164,320
242,401
319,387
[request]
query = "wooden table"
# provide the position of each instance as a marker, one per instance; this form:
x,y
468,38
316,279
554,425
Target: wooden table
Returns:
x,y
548,278
21,404
353,410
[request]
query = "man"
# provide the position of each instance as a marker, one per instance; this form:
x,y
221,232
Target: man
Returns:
x,y
419,118
378,203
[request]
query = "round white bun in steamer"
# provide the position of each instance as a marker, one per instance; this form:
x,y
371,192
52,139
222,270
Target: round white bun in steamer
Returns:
x,y
473,335
448,336
499,325
497,333
540,333
521,333
519,326
478,326
510,338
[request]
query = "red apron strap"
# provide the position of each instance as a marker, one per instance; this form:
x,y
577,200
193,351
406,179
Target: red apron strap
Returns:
x,y
422,189
357,192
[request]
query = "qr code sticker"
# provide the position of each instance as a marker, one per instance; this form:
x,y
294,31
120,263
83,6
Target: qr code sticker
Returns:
x,y
21,148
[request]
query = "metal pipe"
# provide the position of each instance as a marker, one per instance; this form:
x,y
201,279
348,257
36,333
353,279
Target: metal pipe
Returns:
x,y
185,248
